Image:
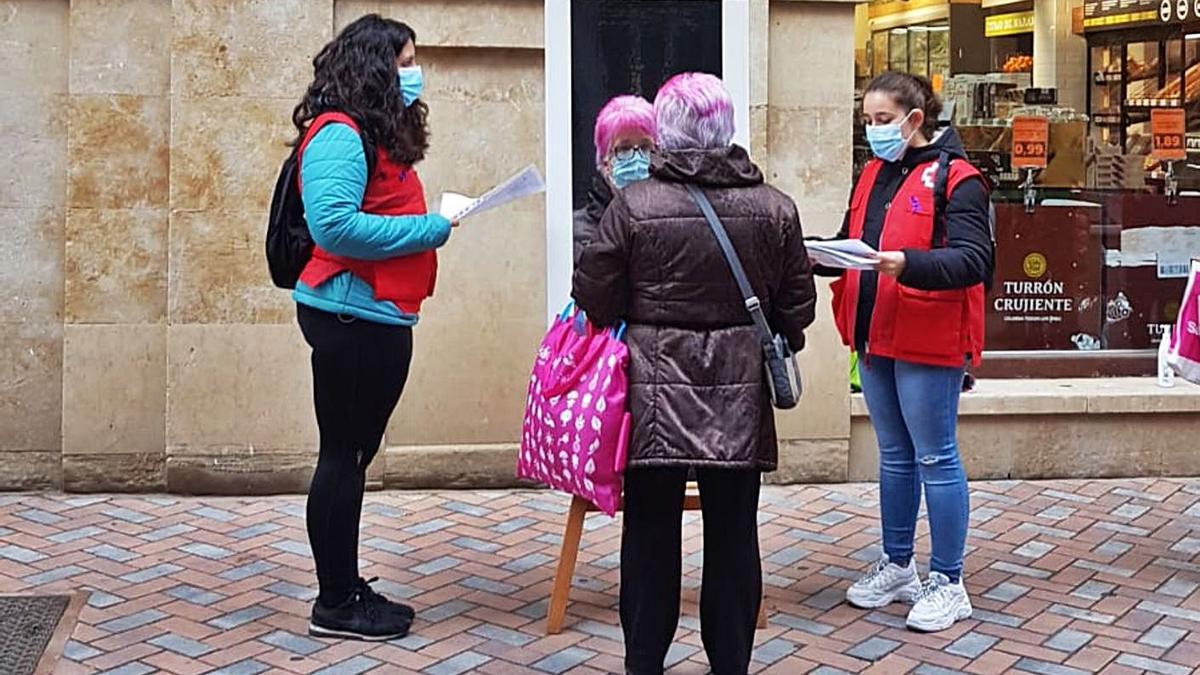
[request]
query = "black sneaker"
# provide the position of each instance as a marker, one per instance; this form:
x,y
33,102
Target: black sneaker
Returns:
x,y
369,594
360,617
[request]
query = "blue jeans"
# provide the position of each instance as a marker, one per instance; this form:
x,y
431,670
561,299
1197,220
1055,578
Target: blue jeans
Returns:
x,y
914,410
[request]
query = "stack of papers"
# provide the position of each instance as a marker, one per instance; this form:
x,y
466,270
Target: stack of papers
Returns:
x,y
851,254
527,182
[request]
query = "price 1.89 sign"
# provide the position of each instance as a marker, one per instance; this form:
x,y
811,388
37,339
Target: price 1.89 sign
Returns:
x,y
1168,128
1030,142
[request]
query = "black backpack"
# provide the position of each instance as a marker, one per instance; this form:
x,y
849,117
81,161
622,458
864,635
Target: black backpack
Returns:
x,y
289,243
940,182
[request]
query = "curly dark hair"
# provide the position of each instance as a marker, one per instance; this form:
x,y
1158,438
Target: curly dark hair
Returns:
x,y
356,74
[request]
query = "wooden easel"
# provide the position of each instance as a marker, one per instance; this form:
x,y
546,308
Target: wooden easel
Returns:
x,y
569,554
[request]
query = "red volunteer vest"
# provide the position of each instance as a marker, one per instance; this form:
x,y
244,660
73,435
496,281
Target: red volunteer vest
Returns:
x,y
392,190
937,328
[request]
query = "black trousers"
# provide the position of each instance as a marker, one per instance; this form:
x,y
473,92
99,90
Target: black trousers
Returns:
x,y
359,370
651,566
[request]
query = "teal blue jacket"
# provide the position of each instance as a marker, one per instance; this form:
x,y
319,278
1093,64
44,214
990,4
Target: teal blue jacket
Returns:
x,y
333,173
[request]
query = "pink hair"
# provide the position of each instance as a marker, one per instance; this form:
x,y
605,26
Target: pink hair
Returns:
x,y
622,114
694,110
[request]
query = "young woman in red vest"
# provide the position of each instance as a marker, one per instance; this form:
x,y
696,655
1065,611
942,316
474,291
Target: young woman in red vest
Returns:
x,y
358,299
916,323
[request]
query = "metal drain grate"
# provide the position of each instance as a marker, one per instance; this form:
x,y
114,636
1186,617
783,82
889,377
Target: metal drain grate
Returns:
x,y
26,626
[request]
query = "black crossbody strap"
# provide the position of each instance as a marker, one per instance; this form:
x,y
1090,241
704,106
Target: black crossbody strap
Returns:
x,y
753,305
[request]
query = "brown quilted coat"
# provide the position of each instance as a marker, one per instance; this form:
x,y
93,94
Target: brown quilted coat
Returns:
x,y
698,394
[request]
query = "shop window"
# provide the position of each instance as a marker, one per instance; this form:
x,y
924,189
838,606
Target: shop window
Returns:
x,y
1088,278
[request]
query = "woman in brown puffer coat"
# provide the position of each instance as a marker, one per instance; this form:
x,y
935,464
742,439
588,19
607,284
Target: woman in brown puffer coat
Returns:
x,y
698,394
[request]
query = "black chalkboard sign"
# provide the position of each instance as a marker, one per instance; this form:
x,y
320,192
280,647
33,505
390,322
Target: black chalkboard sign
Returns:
x,y
632,47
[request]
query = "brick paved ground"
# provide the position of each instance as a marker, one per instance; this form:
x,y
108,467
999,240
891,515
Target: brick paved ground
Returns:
x,y
1067,577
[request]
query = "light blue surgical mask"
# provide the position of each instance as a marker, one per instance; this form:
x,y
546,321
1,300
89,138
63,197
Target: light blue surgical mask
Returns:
x,y
412,83
630,167
887,141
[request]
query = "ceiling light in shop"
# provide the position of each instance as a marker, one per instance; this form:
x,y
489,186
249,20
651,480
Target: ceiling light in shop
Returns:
x,y
1192,36
939,29
900,31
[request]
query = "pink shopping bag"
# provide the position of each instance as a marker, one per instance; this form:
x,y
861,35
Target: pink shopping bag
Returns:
x,y
576,424
1183,354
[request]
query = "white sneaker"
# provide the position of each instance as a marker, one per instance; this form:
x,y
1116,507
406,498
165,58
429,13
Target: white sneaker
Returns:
x,y
939,605
884,584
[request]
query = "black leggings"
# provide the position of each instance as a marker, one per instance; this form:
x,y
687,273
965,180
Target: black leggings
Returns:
x,y
359,370
651,565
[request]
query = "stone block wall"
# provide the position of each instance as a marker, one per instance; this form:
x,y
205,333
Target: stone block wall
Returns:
x,y
142,346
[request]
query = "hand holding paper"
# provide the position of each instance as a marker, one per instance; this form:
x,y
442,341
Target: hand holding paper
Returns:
x,y
851,254
527,182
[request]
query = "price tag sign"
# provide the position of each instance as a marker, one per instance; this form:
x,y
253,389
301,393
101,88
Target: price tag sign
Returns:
x,y
1030,142
1168,129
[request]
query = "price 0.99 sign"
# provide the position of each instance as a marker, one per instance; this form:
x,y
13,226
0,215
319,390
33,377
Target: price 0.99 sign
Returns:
x,y
1168,130
1030,142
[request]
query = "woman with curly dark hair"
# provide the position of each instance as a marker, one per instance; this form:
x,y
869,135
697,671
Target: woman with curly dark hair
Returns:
x,y
361,128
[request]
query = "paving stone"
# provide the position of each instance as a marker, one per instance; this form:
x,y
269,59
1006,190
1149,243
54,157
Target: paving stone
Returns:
x,y
1093,590
475,544
788,556
461,663
1046,668
1123,529
530,562
74,535
102,600
1167,610
513,525
239,618
1112,549
1055,532
1152,665
248,570
351,666
57,574
127,623
294,547
1188,545
890,620
20,554
471,509
129,515
207,551
997,618
1022,570
1034,550
448,609
132,668
210,513
1068,497
1163,637
156,572
678,653
1057,513
509,637
293,643
831,518
564,660
182,645
928,669
255,530
827,599
77,651
293,591
489,586
245,667
1006,592
194,595
1130,511
396,547
439,565
1083,614
873,649
773,651
802,624
112,553
804,535
1178,587
972,645
1069,641
600,630
1107,569
163,533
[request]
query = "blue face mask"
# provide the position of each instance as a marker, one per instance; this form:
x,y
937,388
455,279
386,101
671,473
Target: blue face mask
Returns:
x,y
412,83
887,141
630,169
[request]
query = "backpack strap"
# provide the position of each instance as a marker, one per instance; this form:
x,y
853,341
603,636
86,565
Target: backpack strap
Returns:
x,y
753,305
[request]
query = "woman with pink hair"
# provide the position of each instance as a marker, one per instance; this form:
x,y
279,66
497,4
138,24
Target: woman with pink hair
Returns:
x,y
624,138
697,388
